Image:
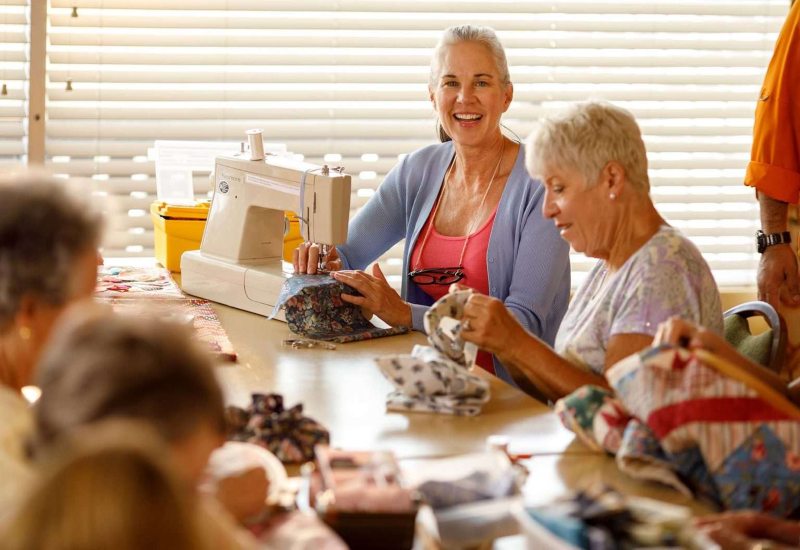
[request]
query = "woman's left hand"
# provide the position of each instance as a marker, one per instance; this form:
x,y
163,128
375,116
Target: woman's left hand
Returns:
x,y
377,297
490,325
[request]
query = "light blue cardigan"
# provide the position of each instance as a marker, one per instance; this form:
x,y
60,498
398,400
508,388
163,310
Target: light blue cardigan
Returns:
x,y
527,261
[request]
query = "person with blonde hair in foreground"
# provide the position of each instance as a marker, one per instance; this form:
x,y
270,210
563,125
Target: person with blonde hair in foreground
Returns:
x,y
107,486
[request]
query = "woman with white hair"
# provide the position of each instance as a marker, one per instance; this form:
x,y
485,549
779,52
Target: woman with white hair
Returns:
x,y
466,207
593,163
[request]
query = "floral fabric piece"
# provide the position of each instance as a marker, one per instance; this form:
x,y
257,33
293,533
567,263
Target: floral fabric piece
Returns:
x,y
443,325
314,308
595,416
134,290
427,380
136,282
437,378
286,433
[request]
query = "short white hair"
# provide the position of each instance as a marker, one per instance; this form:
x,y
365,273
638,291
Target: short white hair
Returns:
x,y
585,137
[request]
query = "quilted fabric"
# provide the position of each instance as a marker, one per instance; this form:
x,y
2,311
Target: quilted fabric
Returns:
x,y
314,308
436,378
700,431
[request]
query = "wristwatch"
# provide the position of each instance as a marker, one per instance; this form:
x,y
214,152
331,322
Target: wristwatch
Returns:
x,y
764,241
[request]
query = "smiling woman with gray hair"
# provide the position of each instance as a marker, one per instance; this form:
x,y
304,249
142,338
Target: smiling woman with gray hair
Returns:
x,y
593,162
48,259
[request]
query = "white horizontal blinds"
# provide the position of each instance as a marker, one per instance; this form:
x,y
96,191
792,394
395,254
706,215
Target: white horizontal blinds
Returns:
x,y
13,80
346,81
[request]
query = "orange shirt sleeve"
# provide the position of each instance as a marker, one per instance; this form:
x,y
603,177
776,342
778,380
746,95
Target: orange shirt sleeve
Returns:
x,y
774,167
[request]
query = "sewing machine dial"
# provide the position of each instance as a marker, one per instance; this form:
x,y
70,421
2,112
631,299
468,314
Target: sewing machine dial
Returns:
x,y
223,186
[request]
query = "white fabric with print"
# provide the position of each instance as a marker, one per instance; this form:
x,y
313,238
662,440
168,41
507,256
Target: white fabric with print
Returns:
x,y
436,378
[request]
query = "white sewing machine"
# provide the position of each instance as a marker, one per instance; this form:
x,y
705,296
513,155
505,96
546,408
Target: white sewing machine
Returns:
x,y
240,258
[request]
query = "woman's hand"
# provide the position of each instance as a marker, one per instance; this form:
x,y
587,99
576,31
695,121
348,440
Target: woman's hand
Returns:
x,y
377,296
677,332
745,529
487,323
685,334
306,259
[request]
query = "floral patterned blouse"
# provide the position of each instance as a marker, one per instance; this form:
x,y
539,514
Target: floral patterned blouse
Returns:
x,y
667,276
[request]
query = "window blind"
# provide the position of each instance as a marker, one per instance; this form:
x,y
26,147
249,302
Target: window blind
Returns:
x,y
13,79
345,82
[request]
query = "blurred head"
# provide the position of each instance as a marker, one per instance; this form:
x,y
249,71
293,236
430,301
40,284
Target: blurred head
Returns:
x,y
107,487
469,84
590,157
48,259
100,366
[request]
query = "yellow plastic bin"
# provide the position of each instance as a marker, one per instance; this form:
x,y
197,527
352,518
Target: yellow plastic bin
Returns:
x,y
177,228
291,237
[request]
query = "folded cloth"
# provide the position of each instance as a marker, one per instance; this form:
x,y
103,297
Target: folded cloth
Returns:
x,y
477,486
314,308
286,433
436,378
601,518
429,373
457,406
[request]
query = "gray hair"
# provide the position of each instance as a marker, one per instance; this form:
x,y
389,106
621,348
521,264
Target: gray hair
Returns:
x,y
586,136
43,230
468,33
100,365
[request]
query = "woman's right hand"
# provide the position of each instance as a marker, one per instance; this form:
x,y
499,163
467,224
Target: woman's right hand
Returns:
x,y
678,332
306,259
489,324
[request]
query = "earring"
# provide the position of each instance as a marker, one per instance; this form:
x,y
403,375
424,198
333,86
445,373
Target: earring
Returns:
x,y
612,196
25,333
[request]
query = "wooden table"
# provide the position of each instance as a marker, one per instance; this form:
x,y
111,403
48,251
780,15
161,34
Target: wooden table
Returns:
x,y
346,392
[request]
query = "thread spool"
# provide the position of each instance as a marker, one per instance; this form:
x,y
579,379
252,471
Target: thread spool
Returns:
x,y
256,142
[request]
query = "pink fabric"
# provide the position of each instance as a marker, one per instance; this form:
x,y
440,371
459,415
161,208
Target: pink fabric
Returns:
x,y
444,251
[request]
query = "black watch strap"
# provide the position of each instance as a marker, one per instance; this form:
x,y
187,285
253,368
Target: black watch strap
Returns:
x,y
764,241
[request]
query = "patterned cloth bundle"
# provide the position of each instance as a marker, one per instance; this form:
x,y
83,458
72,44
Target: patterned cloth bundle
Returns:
x,y
314,308
676,418
286,433
436,378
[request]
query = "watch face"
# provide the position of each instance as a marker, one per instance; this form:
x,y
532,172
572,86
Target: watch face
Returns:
x,y
761,241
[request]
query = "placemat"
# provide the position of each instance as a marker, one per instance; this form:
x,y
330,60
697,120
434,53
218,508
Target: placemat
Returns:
x,y
133,290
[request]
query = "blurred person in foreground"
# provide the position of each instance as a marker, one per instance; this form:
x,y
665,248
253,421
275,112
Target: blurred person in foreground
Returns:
x,y
48,260
107,486
101,365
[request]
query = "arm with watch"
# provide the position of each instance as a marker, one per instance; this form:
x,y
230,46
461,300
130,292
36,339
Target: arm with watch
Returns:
x,y
774,167
778,268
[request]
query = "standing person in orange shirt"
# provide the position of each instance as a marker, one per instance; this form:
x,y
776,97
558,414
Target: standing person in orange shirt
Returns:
x,y
774,168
